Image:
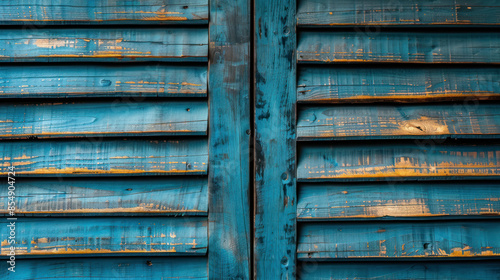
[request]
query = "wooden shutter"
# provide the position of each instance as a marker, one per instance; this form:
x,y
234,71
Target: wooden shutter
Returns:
x,y
127,123
377,139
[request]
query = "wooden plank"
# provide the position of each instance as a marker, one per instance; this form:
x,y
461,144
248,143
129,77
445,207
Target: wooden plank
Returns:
x,y
229,180
402,240
50,12
56,237
109,45
398,12
103,118
109,196
151,80
472,270
413,47
396,122
191,268
398,161
275,172
96,156
374,84
401,200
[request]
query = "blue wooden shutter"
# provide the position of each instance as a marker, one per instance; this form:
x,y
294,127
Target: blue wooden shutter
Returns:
x,y
127,123
377,139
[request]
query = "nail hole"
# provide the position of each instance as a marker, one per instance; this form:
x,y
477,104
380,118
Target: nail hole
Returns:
x,y
185,7
188,109
149,263
129,189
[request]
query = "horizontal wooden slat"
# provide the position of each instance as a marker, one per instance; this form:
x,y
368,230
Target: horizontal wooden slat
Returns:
x,y
97,156
133,268
48,12
370,84
414,47
108,196
116,45
399,240
388,122
422,159
103,118
398,12
102,81
472,270
398,200
101,236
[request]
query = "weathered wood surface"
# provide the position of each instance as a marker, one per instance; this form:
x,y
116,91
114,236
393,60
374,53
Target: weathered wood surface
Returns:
x,y
275,172
186,196
436,239
398,12
405,121
108,45
398,200
229,140
97,156
151,80
402,270
49,12
397,161
414,47
191,268
103,118
371,84
107,236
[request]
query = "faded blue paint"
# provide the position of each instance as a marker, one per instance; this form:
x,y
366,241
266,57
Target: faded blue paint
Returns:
x,y
51,12
58,237
178,196
103,118
91,80
104,45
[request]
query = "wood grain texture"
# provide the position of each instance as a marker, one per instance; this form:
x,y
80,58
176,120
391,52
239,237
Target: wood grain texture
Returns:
x,y
151,80
229,256
107,45
186,196
107,236
398,161
402,200
403,270
396,47
275,172
399,240
398,12
49,12
77,119
345,84
191,268
395,122
101,157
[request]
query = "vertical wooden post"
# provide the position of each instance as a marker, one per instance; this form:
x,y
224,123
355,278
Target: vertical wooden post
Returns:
x,y
229,133
275,98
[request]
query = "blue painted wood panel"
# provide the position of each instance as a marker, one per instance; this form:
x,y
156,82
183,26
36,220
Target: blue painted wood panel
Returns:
x,y
398,12
275,172
178,196
96,156
56,237
398,200
104,45
355,84
397,161
104,118
396,122
50,12
98,80
432,270
436,239
229,140
132,268
413,47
